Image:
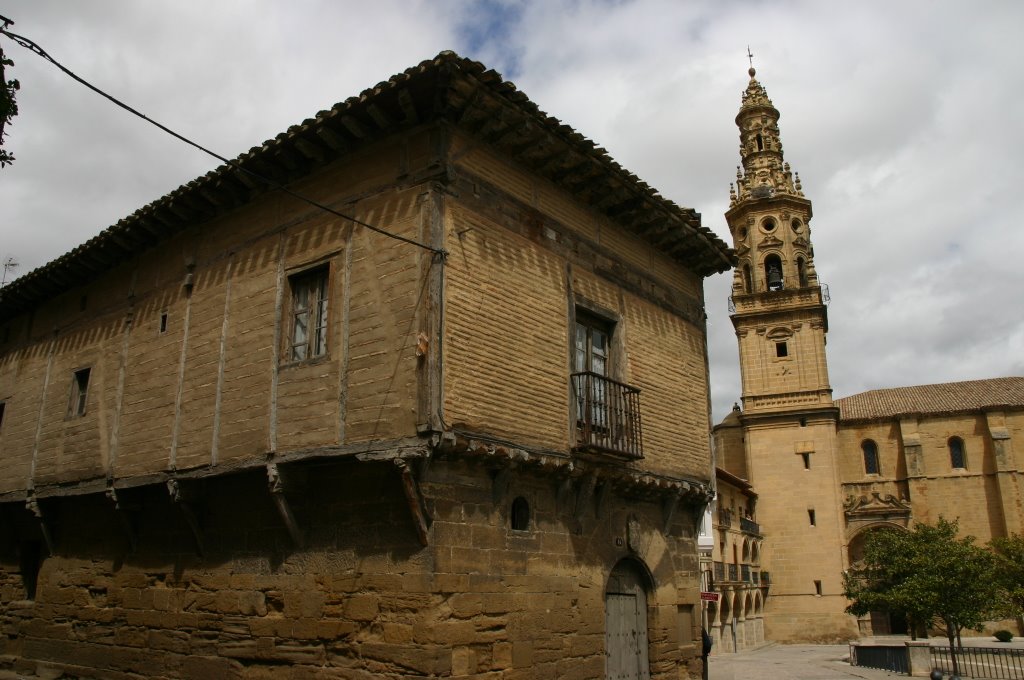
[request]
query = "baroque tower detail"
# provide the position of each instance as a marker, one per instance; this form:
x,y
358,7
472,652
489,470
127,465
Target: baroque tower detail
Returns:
x,y
788,421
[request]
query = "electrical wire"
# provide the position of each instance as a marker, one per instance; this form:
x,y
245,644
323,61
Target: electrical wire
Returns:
x,y
36,49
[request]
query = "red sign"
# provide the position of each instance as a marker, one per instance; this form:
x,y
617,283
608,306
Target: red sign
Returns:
x,y
709,597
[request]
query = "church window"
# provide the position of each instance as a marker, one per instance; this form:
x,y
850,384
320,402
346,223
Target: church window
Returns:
x,y
957,459
817,588
781,349
801,271
520,516
811,517
870,450
796,226
773,272
760,142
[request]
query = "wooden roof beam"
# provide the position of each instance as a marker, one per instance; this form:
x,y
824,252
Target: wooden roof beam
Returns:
x,y
408,106
354,126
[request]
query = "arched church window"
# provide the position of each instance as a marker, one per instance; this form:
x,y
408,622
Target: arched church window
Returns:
x,y
870,450
801,271
796,226
773,272
957,458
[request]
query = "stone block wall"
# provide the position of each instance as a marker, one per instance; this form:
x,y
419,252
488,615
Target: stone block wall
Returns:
x,y
363,599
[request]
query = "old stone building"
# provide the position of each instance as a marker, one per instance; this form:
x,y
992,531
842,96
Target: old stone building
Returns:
x,y
826,471
450,421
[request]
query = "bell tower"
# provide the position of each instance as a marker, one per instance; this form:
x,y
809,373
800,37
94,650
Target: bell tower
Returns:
x,y
788,419
778,304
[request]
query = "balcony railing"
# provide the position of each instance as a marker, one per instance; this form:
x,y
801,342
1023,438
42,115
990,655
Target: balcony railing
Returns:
x,y
607,415
749,526
719,571
724,517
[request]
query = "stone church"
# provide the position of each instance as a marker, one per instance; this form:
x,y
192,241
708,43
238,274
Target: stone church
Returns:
x,y
806,475
418,388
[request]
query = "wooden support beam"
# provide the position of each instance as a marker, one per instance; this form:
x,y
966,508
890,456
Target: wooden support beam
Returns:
x,y
379,117
178,497
125,518
332,138
277,486
408,107
414,499
585,494
32,504
310,150
354,126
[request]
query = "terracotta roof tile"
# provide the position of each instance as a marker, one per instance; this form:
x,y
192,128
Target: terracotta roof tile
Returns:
x,y
941,399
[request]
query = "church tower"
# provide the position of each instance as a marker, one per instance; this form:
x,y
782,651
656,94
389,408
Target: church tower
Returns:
x,y
788,419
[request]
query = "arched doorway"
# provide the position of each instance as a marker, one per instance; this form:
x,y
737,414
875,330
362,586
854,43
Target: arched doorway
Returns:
x,y
875,622
625,611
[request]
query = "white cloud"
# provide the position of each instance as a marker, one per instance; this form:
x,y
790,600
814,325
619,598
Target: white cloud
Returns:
x,y
900,117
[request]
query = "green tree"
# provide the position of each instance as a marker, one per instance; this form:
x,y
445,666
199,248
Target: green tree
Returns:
x,y
8,105
1009,552
929,575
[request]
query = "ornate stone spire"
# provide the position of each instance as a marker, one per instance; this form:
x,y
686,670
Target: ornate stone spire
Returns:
x,y
765,172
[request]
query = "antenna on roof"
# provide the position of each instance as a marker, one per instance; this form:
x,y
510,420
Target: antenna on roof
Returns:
x,y
9,264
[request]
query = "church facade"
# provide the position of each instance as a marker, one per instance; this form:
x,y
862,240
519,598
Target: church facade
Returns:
x,y
827,471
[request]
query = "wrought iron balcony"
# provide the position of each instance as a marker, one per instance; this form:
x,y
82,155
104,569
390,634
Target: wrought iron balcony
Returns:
x,y
750,526
607,415
719,571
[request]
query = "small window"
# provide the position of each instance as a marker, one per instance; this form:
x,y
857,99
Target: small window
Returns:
x,y
163,322
803,422
79,392
810,516
308,338
817,588
520,516
796,226
957,457
870,450
3,404
807,460
781,349
768,225
760,142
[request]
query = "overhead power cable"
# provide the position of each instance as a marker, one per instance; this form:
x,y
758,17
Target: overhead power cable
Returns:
x,y
35,48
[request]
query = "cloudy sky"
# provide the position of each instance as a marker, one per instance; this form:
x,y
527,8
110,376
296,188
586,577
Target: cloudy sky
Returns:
x,y
902,118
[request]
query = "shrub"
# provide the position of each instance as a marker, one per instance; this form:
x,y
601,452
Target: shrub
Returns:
x,y
1003,635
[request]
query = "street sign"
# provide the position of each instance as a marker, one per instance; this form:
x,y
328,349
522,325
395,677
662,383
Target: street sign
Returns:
x,y
709,597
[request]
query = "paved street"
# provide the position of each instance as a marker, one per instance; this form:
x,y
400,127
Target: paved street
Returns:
x,y
783,662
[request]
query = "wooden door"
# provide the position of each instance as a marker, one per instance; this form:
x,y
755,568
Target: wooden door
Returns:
x,y
626,626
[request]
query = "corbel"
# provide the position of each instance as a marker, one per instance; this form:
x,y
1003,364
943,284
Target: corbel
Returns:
x,y
500,484
600,496
123,515
185,503
585,493
32,505
668,510
414,499
278,485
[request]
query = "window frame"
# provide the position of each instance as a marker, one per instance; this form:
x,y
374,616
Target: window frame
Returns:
x,y
874,454
959,450
315,314
78,398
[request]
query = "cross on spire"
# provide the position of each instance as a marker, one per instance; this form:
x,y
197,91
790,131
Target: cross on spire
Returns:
x,y
750,57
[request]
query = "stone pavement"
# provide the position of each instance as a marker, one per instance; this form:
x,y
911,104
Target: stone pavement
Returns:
x,y
792,662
